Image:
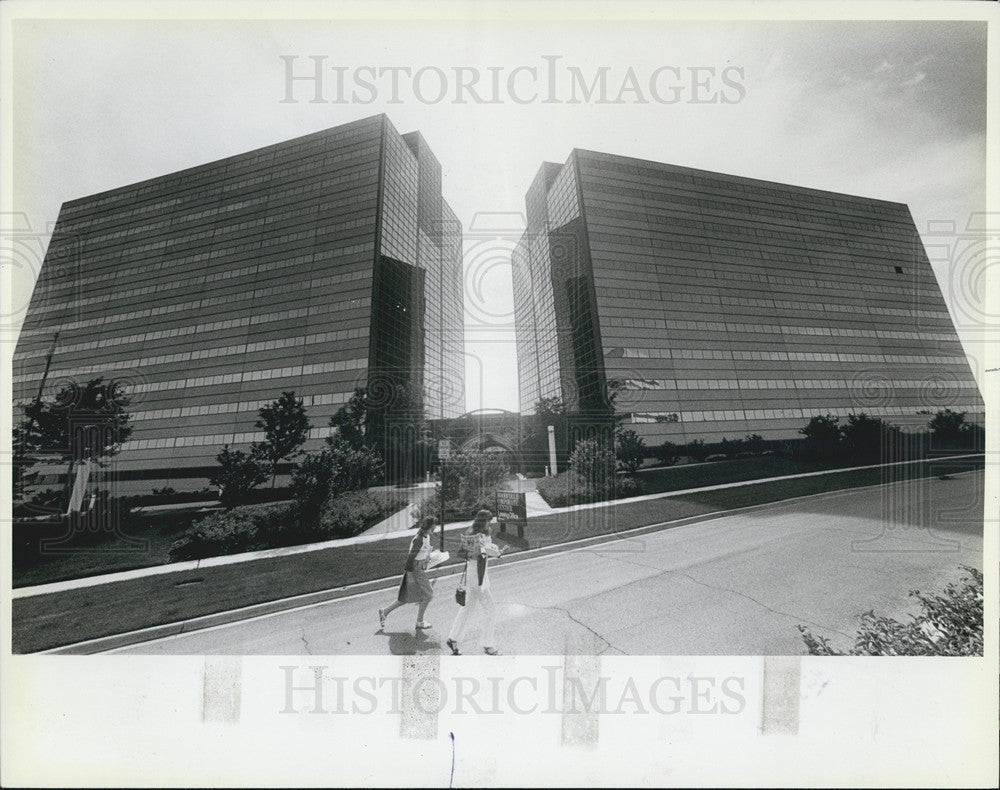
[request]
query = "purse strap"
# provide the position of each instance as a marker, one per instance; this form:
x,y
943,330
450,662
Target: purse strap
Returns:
x,y
465,571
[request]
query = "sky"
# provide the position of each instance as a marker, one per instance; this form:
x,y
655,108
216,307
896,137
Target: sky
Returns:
x,y
890,110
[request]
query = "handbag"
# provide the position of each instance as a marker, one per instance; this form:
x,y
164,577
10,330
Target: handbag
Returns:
x,y
460,590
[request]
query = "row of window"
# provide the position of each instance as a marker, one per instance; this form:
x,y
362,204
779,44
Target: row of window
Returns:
x,y
203,279
200,304
971,409
179,331
781,384
785,356
121,273
252,375
218,439
770,279
206,353
232,408
660,323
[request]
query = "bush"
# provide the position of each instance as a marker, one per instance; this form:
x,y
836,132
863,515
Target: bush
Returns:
x,y
628,486
238,473
352,513
256,527
630,450
231,531
950,431
593,463
696,450
665,453
471,479
564,489
866,437
570,488
950,624
334,470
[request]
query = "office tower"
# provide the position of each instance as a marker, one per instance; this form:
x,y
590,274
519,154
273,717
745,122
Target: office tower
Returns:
x,y
318,265
727,306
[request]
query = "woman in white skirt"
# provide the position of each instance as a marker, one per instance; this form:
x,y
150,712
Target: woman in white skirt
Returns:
x,y
477,547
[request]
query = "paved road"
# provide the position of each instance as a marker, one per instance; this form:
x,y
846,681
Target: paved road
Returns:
x,y
732,585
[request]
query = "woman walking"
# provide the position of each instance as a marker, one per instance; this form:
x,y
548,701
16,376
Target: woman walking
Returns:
x,y
478,547
416,585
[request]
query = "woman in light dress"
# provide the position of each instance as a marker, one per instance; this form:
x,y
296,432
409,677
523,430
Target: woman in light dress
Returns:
x,y
477,547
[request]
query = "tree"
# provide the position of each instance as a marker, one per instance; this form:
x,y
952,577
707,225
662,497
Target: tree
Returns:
x,y
822,436
754,443
950,430
666,453
594,464
350,419
81,423
471,478
238,473
336,469
286,429
630,450
550,407
867,436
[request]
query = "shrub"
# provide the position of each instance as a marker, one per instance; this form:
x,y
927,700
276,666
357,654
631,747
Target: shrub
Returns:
x,y
231,531
865,437
822,438
628,486
728,448
949,430
593,463
334,470
255,527
665,453
950,624
350,514
754,444
570,488
696,450
238,473
563,490
630,450
471,479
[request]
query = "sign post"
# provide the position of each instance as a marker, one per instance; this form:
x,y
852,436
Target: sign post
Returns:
x,y
512,508
444,453
552,450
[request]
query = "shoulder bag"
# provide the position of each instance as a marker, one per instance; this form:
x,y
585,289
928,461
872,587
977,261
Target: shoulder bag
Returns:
x,y
460,590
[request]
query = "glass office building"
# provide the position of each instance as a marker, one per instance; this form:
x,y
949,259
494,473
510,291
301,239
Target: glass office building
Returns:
x,y
725,306
318,265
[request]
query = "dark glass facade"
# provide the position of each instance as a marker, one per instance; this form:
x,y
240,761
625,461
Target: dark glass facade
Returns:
x,y
727,306
316,265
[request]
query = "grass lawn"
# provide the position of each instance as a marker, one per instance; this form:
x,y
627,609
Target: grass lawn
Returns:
x,y
45,621
677,478
141,542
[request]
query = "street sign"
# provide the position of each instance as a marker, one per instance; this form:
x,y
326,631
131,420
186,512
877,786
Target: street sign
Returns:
x,y
444,449
512,509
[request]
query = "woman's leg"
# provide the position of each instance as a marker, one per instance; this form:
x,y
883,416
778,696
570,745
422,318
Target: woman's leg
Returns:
x,y
384,613
421,608
489,615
